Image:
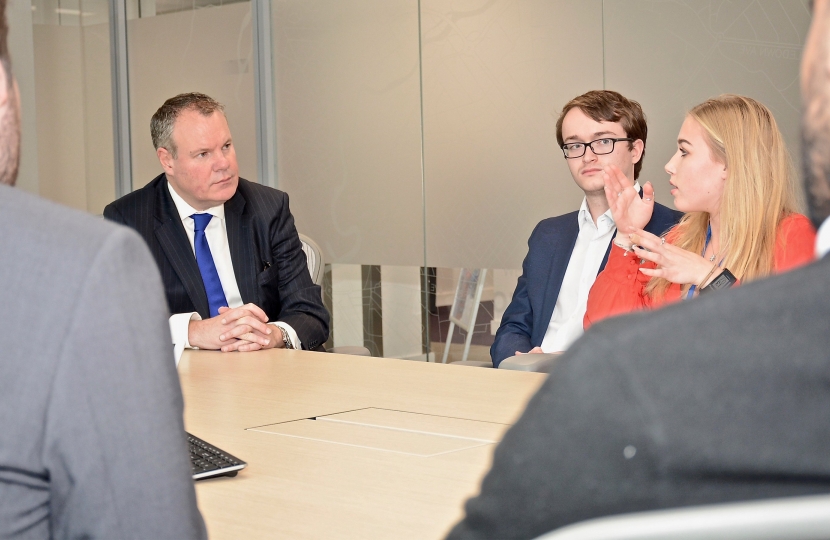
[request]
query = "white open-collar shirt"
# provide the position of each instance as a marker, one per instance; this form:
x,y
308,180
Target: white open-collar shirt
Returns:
x,y
216,234
565,324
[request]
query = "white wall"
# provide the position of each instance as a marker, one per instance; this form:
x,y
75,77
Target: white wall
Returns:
x,y
347,300
206,50
71,87
59,92
74,115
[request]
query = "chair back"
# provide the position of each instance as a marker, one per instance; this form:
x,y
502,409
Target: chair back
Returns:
x,y
314,259
316,267
792,518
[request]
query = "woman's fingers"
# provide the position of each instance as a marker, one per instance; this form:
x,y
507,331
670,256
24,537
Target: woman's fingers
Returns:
x,y
648,193
612,188
622,178
646,239
619,177
672,263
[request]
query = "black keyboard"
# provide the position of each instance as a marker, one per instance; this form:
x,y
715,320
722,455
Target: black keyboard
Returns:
x,y
207,461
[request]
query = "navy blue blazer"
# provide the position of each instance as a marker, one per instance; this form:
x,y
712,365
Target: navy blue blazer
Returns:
x,y
268,261
526,319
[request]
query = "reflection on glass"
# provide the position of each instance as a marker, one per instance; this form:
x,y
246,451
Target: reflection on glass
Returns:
x,y
349,128
701,50
173,6
493,74
396,313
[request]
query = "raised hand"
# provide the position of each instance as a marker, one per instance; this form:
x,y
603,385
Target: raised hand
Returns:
x,y
629,210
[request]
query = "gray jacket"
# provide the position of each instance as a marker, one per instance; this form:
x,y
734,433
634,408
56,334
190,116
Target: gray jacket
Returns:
x,y
91,436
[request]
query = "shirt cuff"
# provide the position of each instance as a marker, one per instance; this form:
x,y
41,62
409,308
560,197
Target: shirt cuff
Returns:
x,y
292,334
179,331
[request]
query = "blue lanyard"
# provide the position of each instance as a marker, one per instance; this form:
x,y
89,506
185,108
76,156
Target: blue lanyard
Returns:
x,y
691,292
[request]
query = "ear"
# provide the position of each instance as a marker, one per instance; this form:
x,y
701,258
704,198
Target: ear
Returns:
x,y
166,160
637,148
725,173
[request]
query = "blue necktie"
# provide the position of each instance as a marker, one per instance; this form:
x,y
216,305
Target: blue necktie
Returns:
x,y
210,277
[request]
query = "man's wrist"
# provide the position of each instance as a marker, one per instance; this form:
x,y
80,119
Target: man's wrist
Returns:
x,y
193,334
283,338
180,328
293,339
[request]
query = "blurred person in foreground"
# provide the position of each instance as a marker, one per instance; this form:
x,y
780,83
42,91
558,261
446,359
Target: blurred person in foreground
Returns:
x,y
732,177
721,399
92,443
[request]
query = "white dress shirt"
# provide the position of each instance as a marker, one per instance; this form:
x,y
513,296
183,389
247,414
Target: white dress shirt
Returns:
x,y
823,239
216,234
565,325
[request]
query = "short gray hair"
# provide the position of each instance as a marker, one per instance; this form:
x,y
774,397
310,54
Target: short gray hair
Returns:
x,y
161,125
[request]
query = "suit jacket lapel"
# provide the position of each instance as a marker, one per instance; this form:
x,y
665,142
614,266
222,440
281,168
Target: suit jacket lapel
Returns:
x,y
238,225
563,246
172,237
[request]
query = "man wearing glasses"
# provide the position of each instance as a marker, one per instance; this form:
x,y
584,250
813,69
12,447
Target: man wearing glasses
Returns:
x,y
565,253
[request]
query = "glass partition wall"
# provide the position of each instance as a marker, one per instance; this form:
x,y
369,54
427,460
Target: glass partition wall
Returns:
x,y
174,47
416,138
72,98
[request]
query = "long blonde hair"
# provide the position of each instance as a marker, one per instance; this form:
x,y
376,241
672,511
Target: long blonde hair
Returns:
x,y
760,188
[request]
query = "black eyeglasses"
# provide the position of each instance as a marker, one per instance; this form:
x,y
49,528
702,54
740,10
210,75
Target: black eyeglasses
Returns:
x,y
599,147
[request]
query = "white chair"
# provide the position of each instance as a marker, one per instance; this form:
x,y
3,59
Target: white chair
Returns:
x,y
791,518
536,362
316,267
314,259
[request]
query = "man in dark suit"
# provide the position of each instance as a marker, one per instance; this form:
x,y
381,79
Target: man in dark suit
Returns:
x,y
722,398
565,253
227,249
92,443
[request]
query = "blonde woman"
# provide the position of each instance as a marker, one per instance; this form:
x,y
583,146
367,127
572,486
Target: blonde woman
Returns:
x,y
732,177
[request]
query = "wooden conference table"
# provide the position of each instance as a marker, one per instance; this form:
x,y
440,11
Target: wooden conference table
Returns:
x,y
345,446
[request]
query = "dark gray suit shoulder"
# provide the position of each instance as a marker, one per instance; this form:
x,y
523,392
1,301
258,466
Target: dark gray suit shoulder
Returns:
x,y
41,225
721,398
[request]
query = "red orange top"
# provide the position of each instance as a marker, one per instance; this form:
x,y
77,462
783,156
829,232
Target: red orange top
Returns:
x,y
620,288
